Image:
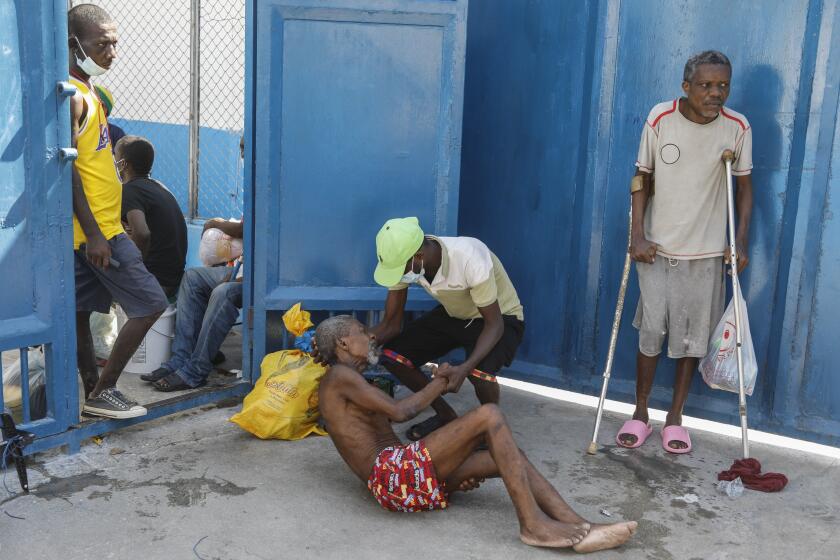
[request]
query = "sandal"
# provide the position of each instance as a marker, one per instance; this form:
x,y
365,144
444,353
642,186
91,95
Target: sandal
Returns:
x,y
173,382
634,428
675,433
156,375
424,428
218,358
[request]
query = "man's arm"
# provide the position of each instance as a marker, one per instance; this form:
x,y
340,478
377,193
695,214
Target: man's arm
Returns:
x,y
641,249
490,335
355,389
97,249
140,233
743,207
233,229
391,323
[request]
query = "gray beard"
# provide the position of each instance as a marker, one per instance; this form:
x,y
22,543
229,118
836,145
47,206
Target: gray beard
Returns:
x,y
373,354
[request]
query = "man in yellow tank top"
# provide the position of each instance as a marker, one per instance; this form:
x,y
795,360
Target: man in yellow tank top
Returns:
x,y
108,266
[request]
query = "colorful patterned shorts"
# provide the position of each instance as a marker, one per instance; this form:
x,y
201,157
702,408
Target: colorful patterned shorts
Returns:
x,y
403,479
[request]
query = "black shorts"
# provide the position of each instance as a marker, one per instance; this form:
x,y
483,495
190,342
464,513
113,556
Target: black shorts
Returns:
x,y
131,285
435,334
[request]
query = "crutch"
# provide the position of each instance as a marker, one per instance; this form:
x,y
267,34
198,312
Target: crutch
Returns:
x,y
728,157
625,275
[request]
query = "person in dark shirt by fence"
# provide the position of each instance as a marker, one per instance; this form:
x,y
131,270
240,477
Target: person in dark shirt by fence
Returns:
x,y
153,218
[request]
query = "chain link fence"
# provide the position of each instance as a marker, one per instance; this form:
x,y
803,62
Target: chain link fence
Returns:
x,y
222,77
150,83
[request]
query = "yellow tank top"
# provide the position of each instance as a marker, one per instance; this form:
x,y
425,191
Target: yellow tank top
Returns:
x,y
97,169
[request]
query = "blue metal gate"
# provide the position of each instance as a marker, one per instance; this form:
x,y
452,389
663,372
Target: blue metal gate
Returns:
x,y
36,300
551,152
356,118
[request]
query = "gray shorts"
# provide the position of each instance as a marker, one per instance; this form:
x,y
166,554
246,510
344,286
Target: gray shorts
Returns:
x,y
682,299
130,285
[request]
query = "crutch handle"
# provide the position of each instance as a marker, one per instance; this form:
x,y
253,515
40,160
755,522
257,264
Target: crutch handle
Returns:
x,y
728,155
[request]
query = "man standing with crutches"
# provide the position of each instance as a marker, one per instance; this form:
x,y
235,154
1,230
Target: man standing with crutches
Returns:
x,y
678,233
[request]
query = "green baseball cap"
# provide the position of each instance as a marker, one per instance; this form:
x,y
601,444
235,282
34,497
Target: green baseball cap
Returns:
x,y
397,241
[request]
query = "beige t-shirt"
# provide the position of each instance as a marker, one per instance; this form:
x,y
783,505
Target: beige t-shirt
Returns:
x,y
470,276
686,216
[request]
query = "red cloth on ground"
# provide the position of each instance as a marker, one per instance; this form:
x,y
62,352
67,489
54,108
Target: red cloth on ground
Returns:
x,y
750,472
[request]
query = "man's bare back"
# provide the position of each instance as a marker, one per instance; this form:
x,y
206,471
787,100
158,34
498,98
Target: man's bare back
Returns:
x,y
403,478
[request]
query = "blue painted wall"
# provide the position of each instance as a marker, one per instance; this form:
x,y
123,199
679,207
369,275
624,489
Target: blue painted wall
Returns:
x,y
555,98
353,114
524,134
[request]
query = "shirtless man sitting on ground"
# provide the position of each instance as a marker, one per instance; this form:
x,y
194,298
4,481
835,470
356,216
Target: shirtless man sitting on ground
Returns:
x,y
404,478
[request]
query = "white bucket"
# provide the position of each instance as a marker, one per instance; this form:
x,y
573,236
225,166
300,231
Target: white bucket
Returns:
x,y
156,346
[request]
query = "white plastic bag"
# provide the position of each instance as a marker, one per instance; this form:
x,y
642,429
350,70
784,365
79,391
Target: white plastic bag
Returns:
x,y
12,391
217,247
104,330
720,366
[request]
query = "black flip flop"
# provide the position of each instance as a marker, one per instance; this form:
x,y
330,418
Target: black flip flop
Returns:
x,y
172,382
424,428
156,375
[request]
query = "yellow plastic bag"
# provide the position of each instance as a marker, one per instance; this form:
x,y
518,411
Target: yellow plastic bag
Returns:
x,y
297,320
284,401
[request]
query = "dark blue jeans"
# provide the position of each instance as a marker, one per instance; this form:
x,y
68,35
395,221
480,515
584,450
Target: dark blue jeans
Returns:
x,y
208,306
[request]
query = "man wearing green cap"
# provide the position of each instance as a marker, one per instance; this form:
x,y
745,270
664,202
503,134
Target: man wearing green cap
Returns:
x,y
479,311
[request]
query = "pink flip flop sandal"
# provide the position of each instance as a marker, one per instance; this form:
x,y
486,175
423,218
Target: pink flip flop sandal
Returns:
x,y
675,433
634,428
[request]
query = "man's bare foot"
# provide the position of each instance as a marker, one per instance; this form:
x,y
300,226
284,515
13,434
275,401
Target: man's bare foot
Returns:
x,y
553,534
602,537
628,440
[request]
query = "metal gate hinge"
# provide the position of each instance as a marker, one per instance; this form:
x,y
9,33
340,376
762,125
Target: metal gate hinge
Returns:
x,y
65,89
68,154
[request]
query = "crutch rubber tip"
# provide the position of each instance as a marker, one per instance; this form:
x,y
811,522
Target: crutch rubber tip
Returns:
x,y
728,155
593,448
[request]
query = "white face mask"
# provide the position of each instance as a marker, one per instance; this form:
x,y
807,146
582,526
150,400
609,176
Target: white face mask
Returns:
x,y
88,65
412,277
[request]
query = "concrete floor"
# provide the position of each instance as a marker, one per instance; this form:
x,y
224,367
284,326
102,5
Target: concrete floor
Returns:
x,y
196,486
